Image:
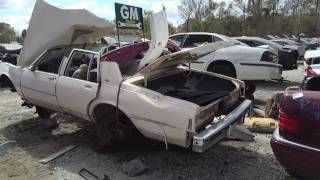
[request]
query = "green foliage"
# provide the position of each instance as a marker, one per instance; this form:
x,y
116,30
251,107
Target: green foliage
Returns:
x,y
251,17
7,33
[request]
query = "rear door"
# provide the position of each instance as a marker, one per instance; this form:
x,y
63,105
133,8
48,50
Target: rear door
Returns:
x,y
78,82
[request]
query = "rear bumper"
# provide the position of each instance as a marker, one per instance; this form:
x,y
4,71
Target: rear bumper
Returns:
x,y
264,71
214,133
298,158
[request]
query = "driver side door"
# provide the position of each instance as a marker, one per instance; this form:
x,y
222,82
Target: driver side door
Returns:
x,y
38,82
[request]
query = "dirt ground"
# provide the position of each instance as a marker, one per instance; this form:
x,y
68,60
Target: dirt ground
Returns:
x,y
34,141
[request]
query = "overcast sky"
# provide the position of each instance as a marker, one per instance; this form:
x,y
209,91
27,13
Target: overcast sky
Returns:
x,y
17,12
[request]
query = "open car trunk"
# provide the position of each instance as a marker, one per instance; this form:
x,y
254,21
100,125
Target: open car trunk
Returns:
x,y
198,88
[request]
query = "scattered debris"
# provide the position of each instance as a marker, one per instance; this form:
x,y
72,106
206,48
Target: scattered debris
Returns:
x,y
260,125
88,175
4,147
57,154
272,105
241,133
48,124
134,167
258,112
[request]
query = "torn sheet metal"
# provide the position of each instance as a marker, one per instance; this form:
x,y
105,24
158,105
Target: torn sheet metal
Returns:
x,y
160,36
51,26
181,57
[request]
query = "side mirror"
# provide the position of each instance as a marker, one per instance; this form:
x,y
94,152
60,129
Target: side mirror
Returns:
x,y
33,68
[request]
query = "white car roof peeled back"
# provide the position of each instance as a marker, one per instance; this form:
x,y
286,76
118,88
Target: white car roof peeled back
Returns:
x,y
51,26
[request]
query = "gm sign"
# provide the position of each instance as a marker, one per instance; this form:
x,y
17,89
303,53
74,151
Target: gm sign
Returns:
x,y
128,17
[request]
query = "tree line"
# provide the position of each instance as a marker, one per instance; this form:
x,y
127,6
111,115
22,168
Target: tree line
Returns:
x,y
8,34
235,18
251,17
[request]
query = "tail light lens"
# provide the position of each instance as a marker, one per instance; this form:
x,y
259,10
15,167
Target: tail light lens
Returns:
x,y
310,71
269,57
288,123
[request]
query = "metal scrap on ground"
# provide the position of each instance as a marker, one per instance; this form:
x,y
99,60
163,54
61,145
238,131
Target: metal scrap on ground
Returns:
x,y
4,147
57,154
134,167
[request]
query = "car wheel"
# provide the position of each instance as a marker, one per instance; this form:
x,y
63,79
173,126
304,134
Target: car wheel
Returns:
x,y
43,112
112,132
223,69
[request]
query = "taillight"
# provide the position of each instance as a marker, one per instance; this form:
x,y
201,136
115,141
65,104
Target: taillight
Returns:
x,y
310,72
268,57
287,123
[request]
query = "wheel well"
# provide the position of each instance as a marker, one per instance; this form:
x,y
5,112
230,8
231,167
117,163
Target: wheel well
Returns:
x,y
222,62
6,82
109,108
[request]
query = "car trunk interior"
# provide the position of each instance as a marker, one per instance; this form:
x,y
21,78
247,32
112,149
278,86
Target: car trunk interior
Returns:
x,y
195,87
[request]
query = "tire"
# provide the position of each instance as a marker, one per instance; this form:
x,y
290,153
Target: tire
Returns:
x,y
223,70
112,134
43,113
250,88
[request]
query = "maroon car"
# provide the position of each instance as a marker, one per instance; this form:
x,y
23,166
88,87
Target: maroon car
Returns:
x,y
296,143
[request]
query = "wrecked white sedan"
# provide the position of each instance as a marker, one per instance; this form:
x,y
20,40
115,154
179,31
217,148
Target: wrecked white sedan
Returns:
x,y
158,95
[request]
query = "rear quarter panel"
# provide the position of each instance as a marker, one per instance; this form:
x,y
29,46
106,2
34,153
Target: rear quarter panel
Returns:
x,y
154,115
238,55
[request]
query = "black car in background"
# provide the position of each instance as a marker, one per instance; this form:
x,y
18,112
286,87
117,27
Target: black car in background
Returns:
x,y
9,53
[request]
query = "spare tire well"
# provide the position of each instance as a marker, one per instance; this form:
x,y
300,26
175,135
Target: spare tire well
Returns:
x,y
222,63
6,82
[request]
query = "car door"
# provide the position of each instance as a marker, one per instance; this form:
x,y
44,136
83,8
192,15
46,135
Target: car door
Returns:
x,y
38,82
77,87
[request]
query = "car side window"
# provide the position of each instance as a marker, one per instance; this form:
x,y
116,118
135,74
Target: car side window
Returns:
x,y
51,60
78,65
178,39
258,43
249,43
217,39
197,40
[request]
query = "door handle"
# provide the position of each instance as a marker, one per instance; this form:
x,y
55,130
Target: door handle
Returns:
x,y
52,78
88,86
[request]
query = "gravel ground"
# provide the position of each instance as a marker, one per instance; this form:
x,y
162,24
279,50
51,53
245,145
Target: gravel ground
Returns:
x,y
34,141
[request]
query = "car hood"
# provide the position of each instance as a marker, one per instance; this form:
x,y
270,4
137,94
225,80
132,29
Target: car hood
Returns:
x,y
51,26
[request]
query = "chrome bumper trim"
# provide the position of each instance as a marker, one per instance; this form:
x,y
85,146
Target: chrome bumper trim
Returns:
x,y
210,136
